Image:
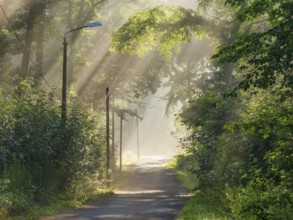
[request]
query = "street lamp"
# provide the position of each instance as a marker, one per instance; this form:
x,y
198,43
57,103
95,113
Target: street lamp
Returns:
x,y
64,82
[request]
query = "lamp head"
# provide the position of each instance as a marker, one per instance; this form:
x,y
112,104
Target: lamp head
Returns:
x,y
94,24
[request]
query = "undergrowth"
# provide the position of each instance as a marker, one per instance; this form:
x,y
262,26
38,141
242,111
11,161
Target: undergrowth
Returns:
x,y
201,205
120,177
61,205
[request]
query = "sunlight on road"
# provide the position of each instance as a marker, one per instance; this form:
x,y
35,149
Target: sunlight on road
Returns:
x,y
138,192
150,192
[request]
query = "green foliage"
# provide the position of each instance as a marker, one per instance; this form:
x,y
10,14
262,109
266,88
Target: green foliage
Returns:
x,y
201,205
183,164
264,55
242,146
42,157
267,122
121,177
248,155
61,205
204,206
261,200
206,117
267,189
16,190
162,27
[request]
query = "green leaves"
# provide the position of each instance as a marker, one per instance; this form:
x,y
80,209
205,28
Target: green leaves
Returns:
x,y
39,156
260,200
163,28
263,56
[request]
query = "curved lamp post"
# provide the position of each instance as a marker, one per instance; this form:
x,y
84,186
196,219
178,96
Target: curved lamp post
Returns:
x,y
64,82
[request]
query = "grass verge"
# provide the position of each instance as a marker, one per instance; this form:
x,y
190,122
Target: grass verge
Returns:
x,y
56,202
119,178
201,205
39,211
185,178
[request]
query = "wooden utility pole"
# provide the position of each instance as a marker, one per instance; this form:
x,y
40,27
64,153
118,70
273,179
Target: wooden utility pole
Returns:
x,y
137,136
113,136
108,136
121,127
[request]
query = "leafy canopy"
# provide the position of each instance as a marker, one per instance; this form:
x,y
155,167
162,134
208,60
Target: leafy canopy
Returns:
x,y
162,27
264,55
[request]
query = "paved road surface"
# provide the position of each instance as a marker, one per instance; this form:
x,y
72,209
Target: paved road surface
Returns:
x,y
152,193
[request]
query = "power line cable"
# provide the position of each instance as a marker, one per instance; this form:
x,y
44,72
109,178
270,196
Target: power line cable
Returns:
x,y
17,37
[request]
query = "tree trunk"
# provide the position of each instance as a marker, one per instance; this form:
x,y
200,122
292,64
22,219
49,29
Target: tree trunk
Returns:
x,y
28,39
40,49
70,58
5,4
78,21
229,67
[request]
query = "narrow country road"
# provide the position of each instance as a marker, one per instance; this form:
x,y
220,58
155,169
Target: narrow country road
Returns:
x,y
151,192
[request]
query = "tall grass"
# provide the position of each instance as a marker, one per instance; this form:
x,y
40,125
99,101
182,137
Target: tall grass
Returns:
x,y
202,205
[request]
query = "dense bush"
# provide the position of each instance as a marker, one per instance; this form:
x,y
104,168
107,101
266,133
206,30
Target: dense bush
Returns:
x,y
261,200
41,157
249,157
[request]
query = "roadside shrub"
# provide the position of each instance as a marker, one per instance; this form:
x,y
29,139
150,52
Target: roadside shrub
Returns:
x,y
261,201
5,203
13,203
43,159
12,200
203,206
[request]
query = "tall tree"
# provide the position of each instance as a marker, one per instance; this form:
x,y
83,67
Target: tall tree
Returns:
x,y
79,13
264,55
34,9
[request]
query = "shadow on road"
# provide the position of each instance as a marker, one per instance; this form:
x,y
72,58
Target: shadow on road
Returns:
x,y
151,192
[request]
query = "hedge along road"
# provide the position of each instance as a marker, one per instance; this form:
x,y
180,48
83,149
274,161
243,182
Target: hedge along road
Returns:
x,y
151,192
